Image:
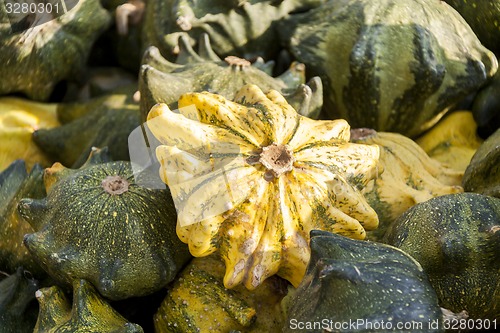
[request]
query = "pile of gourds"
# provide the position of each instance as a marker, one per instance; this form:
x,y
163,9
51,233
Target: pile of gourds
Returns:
x,y
250,166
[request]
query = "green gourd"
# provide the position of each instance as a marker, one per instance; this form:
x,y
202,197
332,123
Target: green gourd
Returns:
x,y
350,280
406,175
483,17
241,28
486,106
104,121
100,224
483,173
88,313
198,302
37,57
390,65
456,240
15,184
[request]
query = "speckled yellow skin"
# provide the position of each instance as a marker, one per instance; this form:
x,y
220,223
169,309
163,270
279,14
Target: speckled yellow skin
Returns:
x,y
90,313
19,118
407,176
198,302
453,141
225,199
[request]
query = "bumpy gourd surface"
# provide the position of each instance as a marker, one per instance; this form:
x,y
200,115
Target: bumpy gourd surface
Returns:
x,y
253,177
98,224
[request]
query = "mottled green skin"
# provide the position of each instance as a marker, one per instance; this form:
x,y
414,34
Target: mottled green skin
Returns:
x,y
35,60
89,313
350,279
15,184
243,28
18,308
484,19
125,244
161,81
102,122
483,173
456,240
390,65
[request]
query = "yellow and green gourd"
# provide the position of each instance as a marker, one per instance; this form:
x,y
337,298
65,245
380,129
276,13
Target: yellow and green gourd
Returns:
x,y
98,223
406,175
251,177
88,312
18,308
161,81
198,302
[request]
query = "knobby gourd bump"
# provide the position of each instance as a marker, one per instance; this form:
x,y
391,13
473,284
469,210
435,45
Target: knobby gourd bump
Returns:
x,y
251,178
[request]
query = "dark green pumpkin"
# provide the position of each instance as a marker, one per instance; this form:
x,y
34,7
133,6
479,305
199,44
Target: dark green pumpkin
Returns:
x,y
161,81
89,313
349,280
18,308
456,239
97,223
37,57
15,184
390,65
483,173
102,121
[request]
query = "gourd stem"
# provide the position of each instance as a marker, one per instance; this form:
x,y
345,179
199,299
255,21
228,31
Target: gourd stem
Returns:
x,y
278,159
115,185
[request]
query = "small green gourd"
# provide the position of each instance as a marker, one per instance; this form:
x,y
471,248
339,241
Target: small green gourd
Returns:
x,y
89,312
98,223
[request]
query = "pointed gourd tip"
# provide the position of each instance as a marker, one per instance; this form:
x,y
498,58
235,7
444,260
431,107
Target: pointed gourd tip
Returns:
x,y
158,110
97,156
31,210
53,174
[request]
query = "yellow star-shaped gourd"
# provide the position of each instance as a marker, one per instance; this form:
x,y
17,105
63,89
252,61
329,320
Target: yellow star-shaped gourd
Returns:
x,y
251,178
